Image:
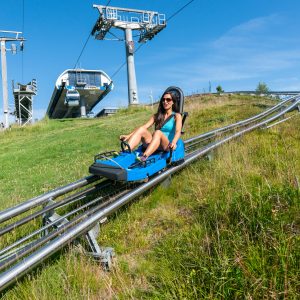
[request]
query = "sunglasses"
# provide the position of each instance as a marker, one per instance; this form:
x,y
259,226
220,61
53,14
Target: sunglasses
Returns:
x,y
167,100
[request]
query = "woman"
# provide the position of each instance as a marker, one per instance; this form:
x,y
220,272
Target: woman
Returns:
x,y
168,125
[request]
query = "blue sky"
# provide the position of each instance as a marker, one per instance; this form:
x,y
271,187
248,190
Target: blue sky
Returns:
x,y
232,43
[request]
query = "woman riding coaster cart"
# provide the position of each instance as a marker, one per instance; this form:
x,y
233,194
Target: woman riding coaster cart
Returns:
x,y
168,126
158,150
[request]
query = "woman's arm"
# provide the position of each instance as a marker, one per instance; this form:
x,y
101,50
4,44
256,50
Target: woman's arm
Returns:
x,y
146,126
178,120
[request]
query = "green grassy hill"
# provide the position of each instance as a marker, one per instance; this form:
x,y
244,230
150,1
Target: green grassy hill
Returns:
x,y
225,229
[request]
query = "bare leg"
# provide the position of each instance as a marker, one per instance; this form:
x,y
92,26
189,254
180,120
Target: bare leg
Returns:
x,y
141,134
158,139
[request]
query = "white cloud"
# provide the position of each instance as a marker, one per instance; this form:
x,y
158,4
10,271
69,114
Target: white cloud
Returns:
x,y
255,50
248,33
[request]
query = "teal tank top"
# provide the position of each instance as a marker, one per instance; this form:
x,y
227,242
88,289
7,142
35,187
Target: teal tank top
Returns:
x,y
169,128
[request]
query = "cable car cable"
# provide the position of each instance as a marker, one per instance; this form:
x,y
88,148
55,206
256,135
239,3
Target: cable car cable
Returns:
x,y
119,39
87,40
107,3
118,70
121,66
172,16
179,10
83,48
175,13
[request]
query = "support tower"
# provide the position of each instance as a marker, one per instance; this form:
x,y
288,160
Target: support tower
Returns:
x,y
148,23
5,37
23,96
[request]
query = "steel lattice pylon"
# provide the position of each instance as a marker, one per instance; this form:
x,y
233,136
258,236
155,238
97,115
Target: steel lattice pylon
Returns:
x,y
23,96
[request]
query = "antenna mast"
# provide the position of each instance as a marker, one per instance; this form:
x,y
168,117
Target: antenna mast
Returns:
x,y
148,23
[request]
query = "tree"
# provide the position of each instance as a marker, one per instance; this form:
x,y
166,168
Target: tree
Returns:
x,y
219,89
262,88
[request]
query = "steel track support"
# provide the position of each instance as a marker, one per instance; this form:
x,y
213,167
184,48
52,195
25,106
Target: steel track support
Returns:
x,y
167,182
51,216
210,156
104,255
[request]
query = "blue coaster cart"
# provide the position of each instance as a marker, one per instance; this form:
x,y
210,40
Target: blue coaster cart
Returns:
x,y
123,166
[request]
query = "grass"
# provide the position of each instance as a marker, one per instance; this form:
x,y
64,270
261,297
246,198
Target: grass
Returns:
x,y
225,229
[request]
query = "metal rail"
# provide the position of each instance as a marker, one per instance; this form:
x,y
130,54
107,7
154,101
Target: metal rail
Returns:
x,y
46,227
90,218
39,200
15,256
243,122
205,138
67,201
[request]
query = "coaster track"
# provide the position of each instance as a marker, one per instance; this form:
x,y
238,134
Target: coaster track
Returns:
x,y
94,199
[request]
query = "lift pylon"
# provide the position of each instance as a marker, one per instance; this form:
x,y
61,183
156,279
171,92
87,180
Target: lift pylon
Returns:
x,y
7,36
148,23
23,96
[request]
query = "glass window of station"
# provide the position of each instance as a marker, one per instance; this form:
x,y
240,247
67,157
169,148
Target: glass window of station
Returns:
x,y
84,79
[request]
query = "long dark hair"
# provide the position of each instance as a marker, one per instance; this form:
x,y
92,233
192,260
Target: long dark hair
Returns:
x,y
159,117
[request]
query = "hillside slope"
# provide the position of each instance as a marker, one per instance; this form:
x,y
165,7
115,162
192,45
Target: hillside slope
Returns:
x,y
223,229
